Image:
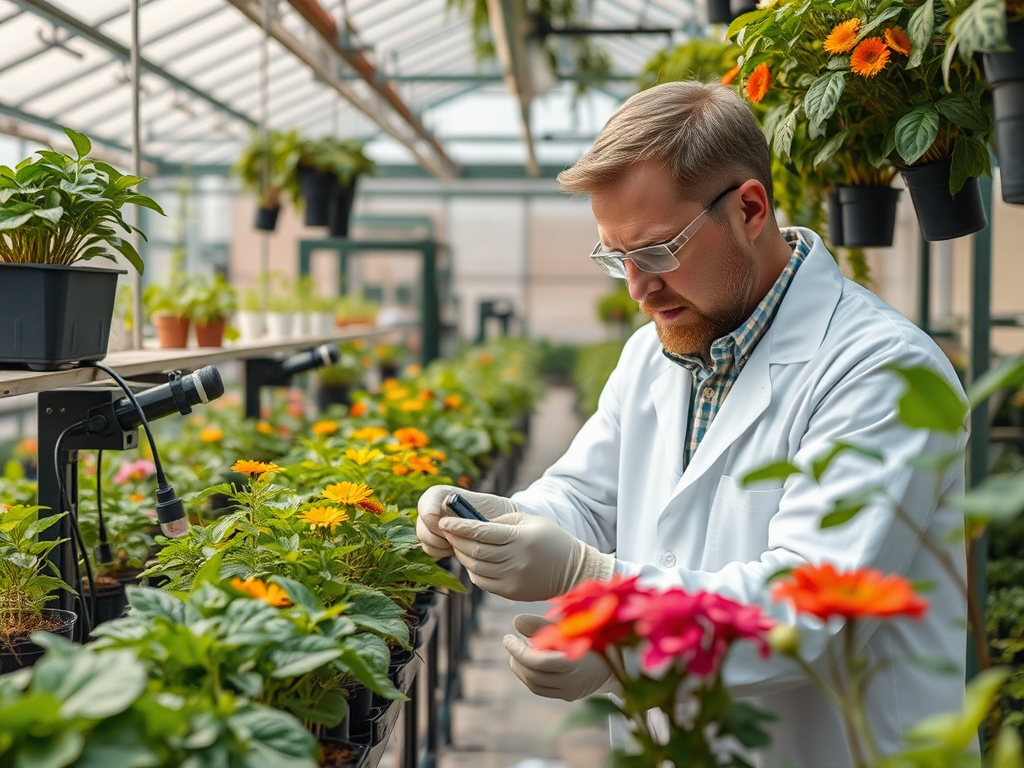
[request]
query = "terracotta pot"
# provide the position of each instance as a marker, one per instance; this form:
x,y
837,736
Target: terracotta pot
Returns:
x,y
171,332
210,333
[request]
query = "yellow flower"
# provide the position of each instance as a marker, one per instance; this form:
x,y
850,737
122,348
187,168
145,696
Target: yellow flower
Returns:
x,y
137,497
410,405
413,369
396,393
453,401
254,468
268,593
370,434
421,464
363,455
347,493
323,517
897,39
411,437
438,455
324,428
389,384
843,37
870,57
264,428
371,505
211,434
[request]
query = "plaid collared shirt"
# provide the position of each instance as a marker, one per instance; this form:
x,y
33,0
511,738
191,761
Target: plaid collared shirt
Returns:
x,y
711,384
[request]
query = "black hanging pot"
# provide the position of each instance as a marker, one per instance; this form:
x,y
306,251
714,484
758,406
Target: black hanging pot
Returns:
x,y
316,187
869,215
944,216
340,209
53,315
266,219
739,7
22,652
834,209
1005,73
333,394
719,12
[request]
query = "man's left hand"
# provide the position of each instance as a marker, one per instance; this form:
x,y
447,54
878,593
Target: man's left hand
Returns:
x,y
524,557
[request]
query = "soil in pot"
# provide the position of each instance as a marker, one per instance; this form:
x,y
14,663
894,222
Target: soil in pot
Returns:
x,y
210,333
338,753
266,219
1005,73
17,649
171,332
869,215
944,216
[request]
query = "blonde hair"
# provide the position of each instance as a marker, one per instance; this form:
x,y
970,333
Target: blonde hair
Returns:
x,y
704,134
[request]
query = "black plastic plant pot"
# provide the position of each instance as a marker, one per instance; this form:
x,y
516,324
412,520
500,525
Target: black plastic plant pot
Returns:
x,y
22,652
1005,73
869,215
266,219
333,394
719,12
944,216
834,209
111,603
739,7
340,211
316,188
53,316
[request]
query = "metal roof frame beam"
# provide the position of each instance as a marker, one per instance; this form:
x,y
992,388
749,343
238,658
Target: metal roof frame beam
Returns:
x,y
325,59
57,16
506,26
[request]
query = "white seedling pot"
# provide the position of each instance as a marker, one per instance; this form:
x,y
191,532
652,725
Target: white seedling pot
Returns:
x,y
251,325
279,325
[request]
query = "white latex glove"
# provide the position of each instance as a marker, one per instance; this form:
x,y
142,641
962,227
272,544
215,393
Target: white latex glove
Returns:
x,y
524,557
431,509
549,673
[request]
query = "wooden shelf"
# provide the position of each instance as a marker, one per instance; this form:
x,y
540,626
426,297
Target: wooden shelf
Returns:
x,y
138,362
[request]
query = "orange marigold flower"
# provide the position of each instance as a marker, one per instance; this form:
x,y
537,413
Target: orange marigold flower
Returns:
x,y
729,76
897,40
453,401
438,455
843,37
759,82
323,517
347,493
400,469
363,455
268,593
464,481
870,57
411,437
324,428
136,497
211,434
371,505
370,434
862,593
389,384
264,428
422,464
425,394
254,468
410,405
357,409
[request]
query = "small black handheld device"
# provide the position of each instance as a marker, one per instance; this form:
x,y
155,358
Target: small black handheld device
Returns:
x,y
463,508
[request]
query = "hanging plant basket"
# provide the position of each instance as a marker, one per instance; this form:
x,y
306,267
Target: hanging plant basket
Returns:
x,y
1005,73
719,12
266,219
340,211
54,315
869,215
834,209
944,216
22,652
316,187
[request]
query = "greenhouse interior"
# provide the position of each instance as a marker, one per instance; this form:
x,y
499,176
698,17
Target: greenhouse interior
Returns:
x,y
324,443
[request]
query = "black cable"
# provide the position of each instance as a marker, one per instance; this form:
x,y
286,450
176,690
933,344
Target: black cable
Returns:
x,y
76,538
103,553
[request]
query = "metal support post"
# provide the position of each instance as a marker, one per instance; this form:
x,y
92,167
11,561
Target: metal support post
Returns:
x,y
924,289
433,686
411,738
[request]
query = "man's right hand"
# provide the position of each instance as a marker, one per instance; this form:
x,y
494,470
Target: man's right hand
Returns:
x,y
431,508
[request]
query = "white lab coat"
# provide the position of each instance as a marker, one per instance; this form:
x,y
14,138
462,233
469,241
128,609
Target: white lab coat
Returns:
x,y
818,376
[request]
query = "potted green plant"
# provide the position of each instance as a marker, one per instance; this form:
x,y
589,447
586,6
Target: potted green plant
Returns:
x,y
328,169
211,302
169,306
27,582
55,211
267,169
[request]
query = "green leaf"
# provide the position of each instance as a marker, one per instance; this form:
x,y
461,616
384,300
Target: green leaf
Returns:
x,y
13,222
823,96
129,252
822,463
274,736
964,111
783,140
592,711
51,215
981,27
778,470
846,508
998,497
919,30
745,722
959,729
830,147
935,462
1008,751
838,63
880,19
1009,374
929,401
82,144
210,572
299,594
970,159
102,685
56,751
916,131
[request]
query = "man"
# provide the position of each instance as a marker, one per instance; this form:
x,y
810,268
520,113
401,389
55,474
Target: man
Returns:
x,y
759,351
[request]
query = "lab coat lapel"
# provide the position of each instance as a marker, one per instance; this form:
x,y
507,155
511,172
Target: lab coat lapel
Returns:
x,y
670,393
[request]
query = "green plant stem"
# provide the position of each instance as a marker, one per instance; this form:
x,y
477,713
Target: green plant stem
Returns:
x,y
856,702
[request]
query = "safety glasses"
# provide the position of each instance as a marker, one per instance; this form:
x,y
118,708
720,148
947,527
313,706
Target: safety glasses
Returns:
x,y
656,259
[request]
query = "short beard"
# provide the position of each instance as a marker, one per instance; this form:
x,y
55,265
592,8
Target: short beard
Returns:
x,y
696,330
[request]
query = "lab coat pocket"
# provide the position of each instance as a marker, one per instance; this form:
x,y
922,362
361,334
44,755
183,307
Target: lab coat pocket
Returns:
x,y
738,524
